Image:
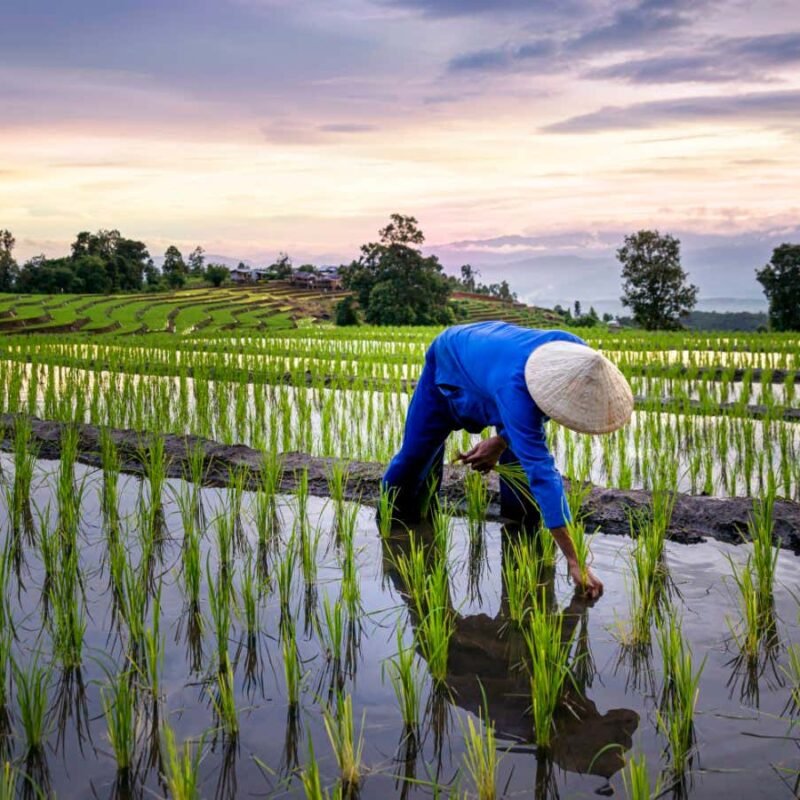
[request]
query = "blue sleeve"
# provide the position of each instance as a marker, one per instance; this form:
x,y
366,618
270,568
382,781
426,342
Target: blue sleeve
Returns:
x,y
523,430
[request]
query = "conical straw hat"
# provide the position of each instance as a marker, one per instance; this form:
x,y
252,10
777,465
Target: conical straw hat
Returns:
x,y
578,387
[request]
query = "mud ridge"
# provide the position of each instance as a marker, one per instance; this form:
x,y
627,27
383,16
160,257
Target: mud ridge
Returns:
x,y
694,519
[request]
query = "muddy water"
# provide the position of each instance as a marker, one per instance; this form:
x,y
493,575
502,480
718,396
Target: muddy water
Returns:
x,y
743,731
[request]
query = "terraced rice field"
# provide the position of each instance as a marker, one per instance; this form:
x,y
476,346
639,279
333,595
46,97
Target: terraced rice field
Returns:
x,y
190,311
199,602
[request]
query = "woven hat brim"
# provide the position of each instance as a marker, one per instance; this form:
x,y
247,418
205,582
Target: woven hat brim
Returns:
x,y
579,388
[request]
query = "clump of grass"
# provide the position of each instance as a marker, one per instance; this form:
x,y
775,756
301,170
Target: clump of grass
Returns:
x,y
386,503
119,709
24,463
765,554
67,621
181,766
266,506
347,746
636,780
292,668
675,717
224,700
220,597
480,755
406,681
32,683
476,495
792,673
757,627
549,666
522,576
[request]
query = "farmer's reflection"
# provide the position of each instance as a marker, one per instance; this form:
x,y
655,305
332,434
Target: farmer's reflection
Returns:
x,y
485,655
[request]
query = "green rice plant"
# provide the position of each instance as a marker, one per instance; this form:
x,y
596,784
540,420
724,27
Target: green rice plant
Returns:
x,y
67,618
109,459
522,577
32,684
284,575
636,781
154,649
406,680
480,755
301,499
312,781
249,589
757,626
224,527
331,630
412,568
338,475
68,495
309,549
476,494
765,554
155,467
292,668
266,508
181,766
191,567
224,700
350,585
8,781
386,503
548,654
24,464
675,717
434,632
133,606
347,747
119,709
220,598
792,673
442,524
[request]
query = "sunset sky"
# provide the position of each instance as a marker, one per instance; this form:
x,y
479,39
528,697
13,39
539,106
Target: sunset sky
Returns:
x,y
522,134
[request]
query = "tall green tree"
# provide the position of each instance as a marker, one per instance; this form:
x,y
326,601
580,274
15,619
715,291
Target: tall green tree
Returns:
x,y
217,274
654,285
174,267
197,261
9,270
781,281
394,283
282,266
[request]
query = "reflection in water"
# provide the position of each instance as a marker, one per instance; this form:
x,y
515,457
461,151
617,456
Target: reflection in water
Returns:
x,y
486,660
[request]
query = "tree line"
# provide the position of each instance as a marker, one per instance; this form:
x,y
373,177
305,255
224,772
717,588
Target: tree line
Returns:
x,y
393,283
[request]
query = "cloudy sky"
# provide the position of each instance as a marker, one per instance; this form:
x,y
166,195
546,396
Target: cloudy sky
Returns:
x,y
526,136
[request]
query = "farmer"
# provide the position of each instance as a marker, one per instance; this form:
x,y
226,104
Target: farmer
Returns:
x,y
515,379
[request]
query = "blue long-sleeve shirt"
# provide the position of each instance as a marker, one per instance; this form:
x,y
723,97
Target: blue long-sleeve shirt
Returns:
x,y
480,368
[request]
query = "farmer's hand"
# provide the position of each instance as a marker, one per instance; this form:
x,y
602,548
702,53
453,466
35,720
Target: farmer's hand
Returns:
x,y
588,583
484,455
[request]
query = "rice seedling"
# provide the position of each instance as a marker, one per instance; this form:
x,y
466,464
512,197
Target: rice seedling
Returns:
x,y
24,465
549,666
757,625
292,668
32,686
119,709
311,779
406,680
331,631
181,766
675,717
154,649
224,700
386,503
249,591
636,780
434,632
265,507
522,577
480,755
301,500
220,597
109,459
338,475
67,618
792,673
765,554
347,746
8,781
476,494
284,576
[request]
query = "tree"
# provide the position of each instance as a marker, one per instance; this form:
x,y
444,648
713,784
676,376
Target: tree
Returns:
x,y
781,281
217,274
469,276
654,284
9,271
173,261
346,312
282,266
577,309
196,260
394,283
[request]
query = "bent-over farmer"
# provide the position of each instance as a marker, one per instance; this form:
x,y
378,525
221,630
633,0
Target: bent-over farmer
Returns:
x,y
514,379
